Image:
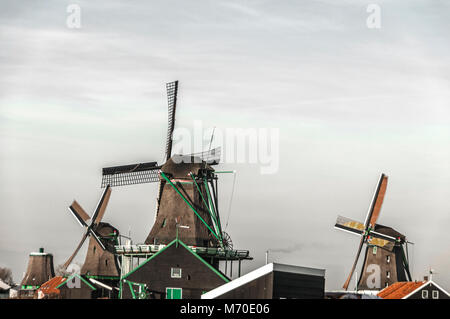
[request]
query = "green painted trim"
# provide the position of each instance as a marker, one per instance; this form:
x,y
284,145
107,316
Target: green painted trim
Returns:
x,y
172,290
203,261
198,189
189,204
142,294
76,275
29,287
131,289
211,210
150,258
204,202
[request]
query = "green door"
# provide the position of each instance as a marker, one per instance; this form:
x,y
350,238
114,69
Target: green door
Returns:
x,y
173,293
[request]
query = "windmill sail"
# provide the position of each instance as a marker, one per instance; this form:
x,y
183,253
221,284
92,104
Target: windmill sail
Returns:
x,y
211,157
90,230
347,282
172,91
130,174
349,225
377,202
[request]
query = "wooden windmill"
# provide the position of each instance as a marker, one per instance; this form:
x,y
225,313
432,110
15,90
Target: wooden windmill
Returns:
x,y
100,259
39,270
187,192
385,261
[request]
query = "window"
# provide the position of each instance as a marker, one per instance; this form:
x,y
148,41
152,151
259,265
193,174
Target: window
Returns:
x,y
174,293
424,294
388,259
374,250
388,274
163,224
175,272
435,294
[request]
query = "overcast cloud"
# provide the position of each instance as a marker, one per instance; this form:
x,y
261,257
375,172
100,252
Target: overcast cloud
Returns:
x,y
350,103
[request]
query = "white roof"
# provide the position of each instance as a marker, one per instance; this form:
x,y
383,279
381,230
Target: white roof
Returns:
x,y
259,273
4,286
40,254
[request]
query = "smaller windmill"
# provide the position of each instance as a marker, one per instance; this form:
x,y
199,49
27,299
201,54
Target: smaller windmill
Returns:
x,y
385,261
100,259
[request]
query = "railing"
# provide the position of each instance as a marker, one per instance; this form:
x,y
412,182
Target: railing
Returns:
x,y
143,249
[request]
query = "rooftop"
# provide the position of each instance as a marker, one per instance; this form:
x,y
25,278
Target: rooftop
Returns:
x,y
400,289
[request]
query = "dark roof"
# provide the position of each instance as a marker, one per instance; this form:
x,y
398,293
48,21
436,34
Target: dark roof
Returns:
x,y
385,230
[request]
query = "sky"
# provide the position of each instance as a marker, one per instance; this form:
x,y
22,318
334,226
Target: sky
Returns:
x,y
350,102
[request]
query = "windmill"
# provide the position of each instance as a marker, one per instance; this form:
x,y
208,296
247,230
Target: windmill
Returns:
x,y
39,270
187,190
100,259
385,261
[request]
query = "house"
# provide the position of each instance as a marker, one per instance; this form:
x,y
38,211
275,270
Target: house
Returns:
x,y
274,281
426,289
174,272
76,287
48,289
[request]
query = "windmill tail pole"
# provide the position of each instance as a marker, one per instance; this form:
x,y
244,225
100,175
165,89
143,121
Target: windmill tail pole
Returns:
x,y
347,282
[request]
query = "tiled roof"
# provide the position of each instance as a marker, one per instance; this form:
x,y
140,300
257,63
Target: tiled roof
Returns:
x,y
399,290
50,286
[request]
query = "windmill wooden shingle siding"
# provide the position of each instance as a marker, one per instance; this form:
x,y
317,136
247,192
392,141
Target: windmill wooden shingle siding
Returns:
x,y
174,211
100,261
385,260
174,272
383,267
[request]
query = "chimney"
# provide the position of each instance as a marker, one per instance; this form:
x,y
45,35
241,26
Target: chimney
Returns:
x,y
425,278
41,250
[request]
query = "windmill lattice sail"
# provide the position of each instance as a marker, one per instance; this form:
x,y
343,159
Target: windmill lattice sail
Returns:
x,y
130,174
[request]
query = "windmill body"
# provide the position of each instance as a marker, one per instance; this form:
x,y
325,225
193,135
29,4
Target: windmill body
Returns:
x,y
385,260
100,261
39,270
174,211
